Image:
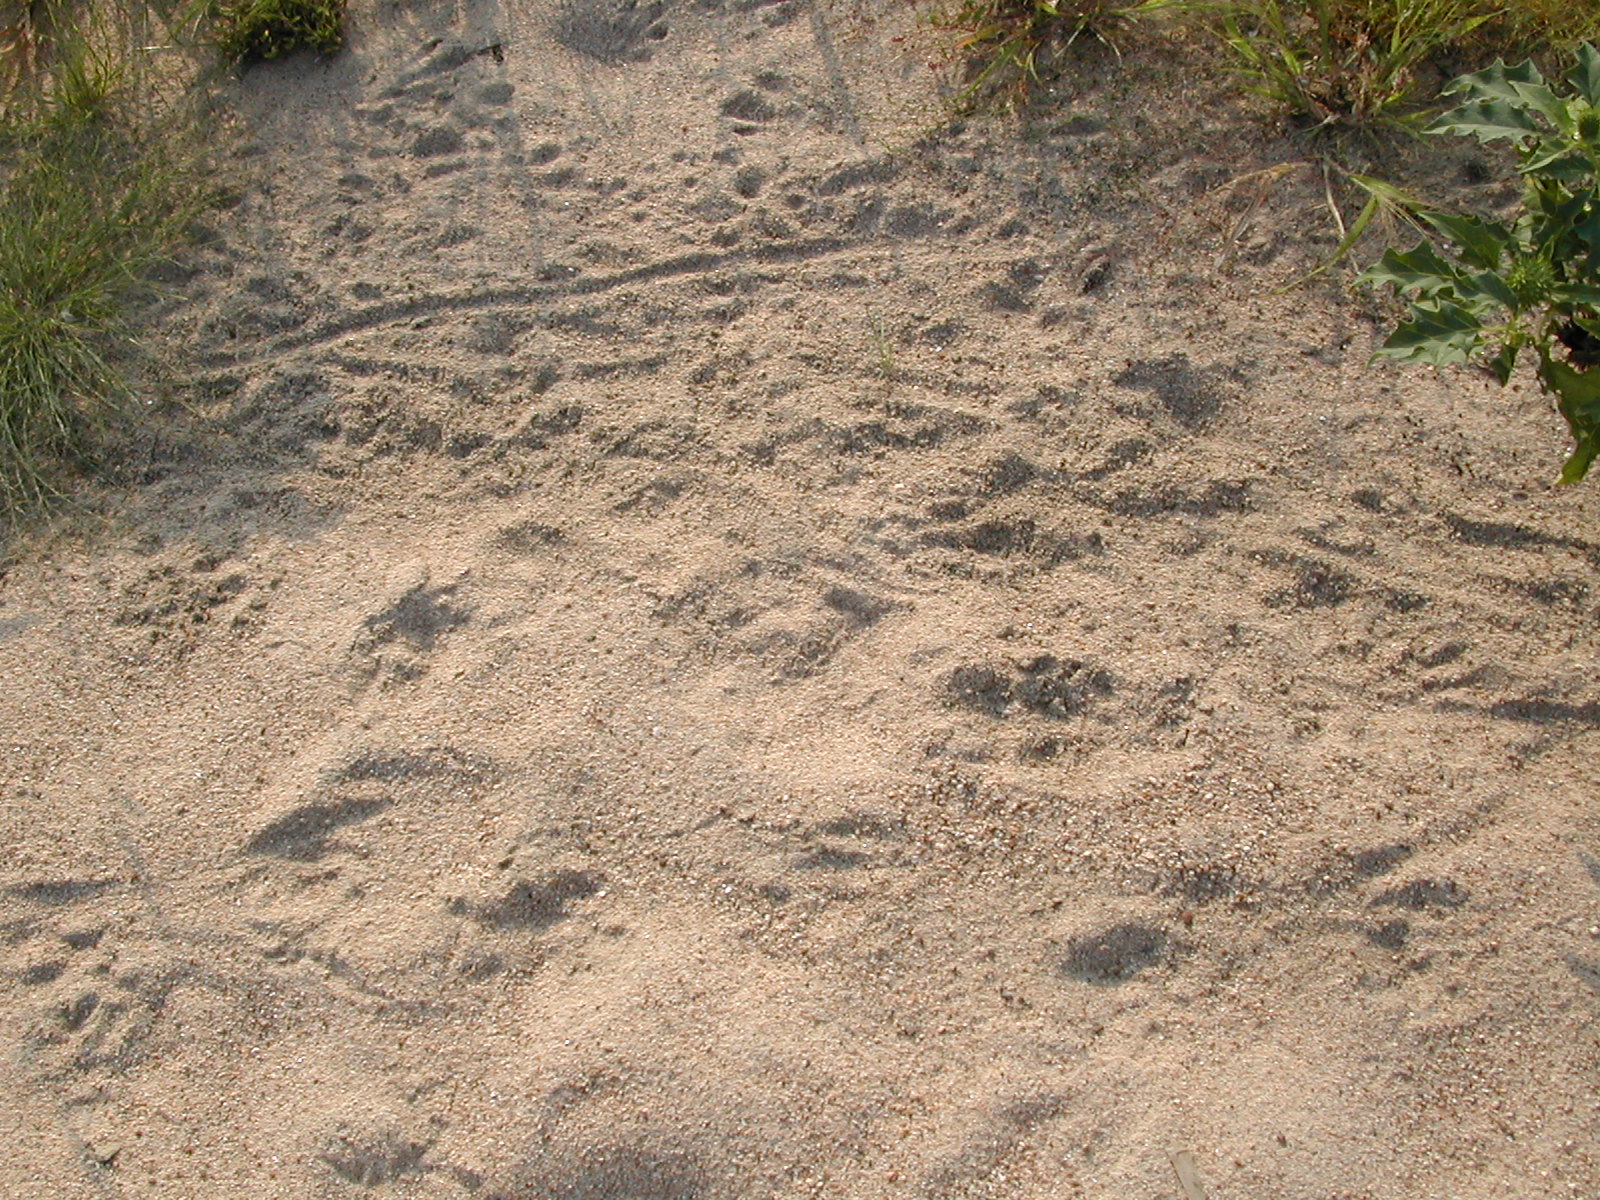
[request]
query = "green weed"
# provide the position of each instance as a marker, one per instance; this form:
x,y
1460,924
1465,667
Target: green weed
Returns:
x,y
1533,26
96,187
1343,63
1485,290
882,342
1008,46
257,29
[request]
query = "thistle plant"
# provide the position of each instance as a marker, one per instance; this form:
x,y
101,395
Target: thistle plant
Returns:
x,y
1491,289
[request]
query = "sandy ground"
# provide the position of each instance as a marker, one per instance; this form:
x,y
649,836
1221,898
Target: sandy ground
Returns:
x,y
720,636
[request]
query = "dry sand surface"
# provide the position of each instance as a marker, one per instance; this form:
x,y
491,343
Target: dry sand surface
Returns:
x,y
719,635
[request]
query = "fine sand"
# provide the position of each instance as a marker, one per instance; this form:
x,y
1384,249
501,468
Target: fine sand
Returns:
x,y
712,633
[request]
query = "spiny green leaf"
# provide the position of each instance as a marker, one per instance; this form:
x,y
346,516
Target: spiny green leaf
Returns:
x,y
1486,120
1482,242
1441,333
1554,214
1420,269
1558,160
1587,230
1576,293
1578,462
1502,363
1578,397
1585,75
1490,287
1545,102
1579,391
1498,82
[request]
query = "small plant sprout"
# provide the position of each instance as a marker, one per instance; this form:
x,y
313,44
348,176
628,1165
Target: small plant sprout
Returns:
x,y
883,348
1490,289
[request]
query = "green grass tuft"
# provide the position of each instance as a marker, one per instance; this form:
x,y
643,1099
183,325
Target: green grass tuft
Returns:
x,y
1537,27
1361,64
95,191
1344,64
247,30
1008,46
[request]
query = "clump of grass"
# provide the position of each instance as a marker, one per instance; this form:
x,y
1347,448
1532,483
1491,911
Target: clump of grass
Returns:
x,y
94,192
247,30
1537,26
1345,64
1363,64
1010,45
